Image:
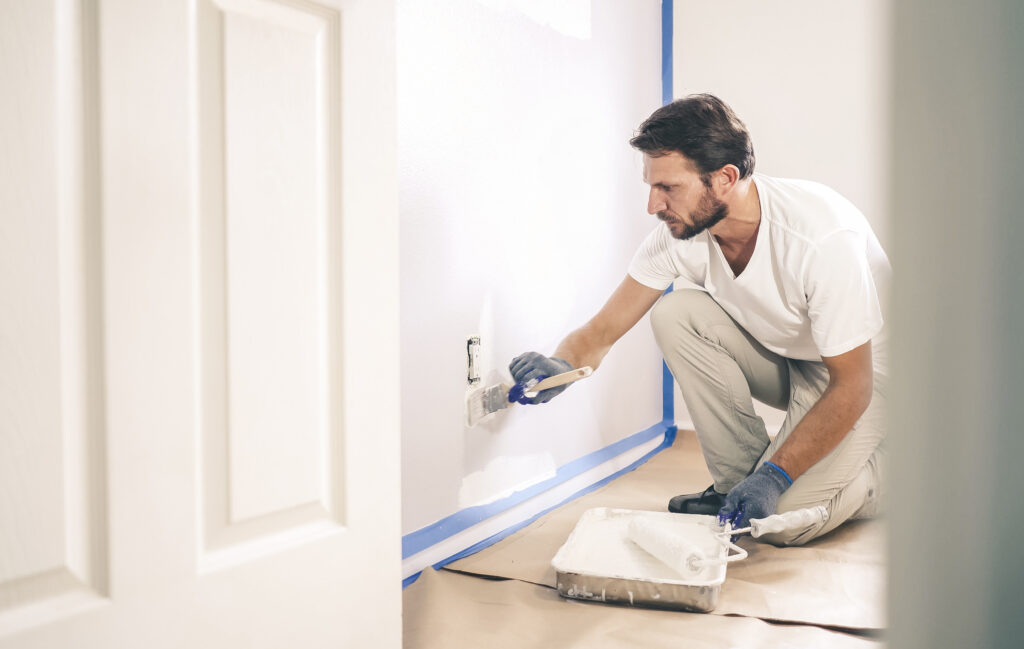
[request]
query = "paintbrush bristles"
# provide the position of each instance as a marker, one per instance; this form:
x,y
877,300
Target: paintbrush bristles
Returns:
x,y
482,402
495,398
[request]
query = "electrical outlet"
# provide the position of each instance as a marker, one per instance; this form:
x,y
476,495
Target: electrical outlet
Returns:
x,y
473,360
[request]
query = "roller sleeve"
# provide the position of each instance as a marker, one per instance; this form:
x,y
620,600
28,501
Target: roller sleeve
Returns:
x,y
667,546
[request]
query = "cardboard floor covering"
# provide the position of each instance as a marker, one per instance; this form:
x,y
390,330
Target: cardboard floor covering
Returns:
x,y
449,610
834,581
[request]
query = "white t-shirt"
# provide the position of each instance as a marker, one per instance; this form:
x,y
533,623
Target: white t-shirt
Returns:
x,y
815,285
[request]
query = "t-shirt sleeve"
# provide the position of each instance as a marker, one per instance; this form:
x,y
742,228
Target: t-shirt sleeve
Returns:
x,y
842,301
652,264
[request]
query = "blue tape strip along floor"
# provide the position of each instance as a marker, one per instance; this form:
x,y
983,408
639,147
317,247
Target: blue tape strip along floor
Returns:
x,y
464,519
669,432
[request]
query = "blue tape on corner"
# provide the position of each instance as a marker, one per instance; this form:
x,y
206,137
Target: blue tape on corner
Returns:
x,y
668,389
666,51
668,393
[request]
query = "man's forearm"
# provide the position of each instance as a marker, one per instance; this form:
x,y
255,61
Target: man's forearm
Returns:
x,y
822,428
589,344
582,347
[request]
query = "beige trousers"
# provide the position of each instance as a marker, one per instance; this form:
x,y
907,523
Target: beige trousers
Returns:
x,y
720,369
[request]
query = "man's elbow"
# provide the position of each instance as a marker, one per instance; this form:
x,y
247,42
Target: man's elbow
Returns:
x,y
852,378
854,393
867,391
861,392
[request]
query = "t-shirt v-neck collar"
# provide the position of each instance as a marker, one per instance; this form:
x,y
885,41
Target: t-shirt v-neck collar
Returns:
x,y
759,243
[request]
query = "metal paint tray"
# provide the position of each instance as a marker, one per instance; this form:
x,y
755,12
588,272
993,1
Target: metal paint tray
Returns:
x,y
598,562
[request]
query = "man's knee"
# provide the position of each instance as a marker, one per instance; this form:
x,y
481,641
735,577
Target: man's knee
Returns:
x,y
840,507
857,498
675,310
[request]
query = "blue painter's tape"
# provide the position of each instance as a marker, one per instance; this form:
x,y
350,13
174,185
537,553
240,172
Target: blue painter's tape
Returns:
x,y
670,436
666,51
668,388
410,580
465,518
669,432
668,412
668,395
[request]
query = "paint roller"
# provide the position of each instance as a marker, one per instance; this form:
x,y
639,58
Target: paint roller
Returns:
x,y
666,544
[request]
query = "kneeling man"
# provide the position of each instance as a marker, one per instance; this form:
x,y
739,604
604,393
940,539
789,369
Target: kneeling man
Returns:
x,y
791,283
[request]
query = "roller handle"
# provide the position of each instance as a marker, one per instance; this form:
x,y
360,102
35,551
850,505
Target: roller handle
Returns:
x,y
788,520
559,379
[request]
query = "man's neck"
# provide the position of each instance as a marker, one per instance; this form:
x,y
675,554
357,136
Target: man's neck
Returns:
x,y
739,228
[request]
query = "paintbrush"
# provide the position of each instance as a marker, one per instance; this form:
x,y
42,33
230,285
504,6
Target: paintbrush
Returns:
x,y
481,402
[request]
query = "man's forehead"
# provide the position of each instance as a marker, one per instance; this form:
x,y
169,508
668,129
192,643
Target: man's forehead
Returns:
x,y
669,165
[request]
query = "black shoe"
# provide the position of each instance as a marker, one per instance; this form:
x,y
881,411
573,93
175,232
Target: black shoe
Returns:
x,y
708,501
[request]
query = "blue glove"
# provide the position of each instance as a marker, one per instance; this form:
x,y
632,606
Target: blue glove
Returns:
x,y
755,497
530,366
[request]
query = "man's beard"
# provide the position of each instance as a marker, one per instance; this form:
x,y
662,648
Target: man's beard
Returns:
x,y
709,211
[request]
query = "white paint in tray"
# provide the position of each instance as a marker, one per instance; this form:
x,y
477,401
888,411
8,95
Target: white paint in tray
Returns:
x,y
601,546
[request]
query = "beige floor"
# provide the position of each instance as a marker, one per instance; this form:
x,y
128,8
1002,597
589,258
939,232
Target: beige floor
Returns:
x,y
826,594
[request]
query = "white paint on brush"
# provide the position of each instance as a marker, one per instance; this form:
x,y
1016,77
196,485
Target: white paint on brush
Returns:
x,y
504,476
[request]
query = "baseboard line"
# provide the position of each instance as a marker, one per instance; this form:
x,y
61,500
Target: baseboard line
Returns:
x,y
470,531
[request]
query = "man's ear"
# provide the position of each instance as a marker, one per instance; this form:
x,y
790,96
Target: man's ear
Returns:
x,y
725,179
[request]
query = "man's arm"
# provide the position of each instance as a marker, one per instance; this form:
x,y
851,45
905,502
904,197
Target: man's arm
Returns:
x,y
589,344
850,384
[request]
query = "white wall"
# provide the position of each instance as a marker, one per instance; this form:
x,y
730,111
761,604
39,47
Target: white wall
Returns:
x,y
521,204
811,81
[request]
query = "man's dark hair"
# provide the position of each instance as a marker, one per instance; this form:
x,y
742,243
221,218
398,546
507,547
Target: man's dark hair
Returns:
x,y
701,127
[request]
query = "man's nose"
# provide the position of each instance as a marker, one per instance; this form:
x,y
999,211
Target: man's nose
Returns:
x,y
656,202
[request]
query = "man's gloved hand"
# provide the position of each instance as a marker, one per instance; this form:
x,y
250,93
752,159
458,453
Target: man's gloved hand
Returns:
x,y
531,365
755,497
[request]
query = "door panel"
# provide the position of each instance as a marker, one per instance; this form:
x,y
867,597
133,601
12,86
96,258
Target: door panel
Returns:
x,y
198,354
53,525
269,115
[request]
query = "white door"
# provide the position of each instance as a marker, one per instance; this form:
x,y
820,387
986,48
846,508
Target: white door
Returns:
x,y
198,324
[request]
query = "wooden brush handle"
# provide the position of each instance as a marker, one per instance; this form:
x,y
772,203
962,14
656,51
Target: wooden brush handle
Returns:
x,y
561,379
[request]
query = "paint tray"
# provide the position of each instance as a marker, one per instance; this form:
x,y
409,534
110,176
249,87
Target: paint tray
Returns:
x,y
599,562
